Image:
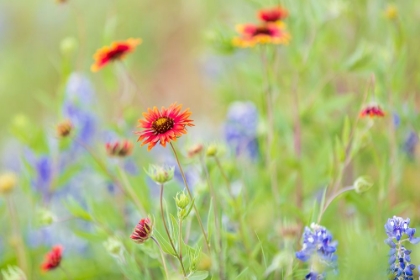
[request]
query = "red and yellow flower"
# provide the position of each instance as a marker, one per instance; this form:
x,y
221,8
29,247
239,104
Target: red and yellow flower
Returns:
x,y
372,111
273,14
114,52
267,33
53,258
119,148
163,126
142,231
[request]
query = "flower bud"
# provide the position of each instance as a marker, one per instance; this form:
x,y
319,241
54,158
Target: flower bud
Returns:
x,y
160,174
182,200
195,150
64,128
142,231
13,273
113,246
119,148
211,150
7,182
362,184
45,217
68,44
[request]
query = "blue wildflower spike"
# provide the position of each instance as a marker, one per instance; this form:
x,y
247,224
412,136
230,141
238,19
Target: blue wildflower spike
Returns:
x,y
318,246
399,231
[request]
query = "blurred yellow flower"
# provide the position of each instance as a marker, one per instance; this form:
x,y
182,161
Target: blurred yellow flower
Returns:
x,y
7,182
391,12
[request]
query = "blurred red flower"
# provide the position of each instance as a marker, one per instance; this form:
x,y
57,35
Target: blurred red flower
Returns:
x,y
53,258
116,51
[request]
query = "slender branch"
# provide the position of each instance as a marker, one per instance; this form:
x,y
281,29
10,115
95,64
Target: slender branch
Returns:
x,y
269,161
130,190
167,231
216,218
197,214
162,256
331,199
19,244
235,203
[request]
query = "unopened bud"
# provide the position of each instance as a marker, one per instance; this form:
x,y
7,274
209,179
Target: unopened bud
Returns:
x,y
113,246
160,174
211,150
45,217
362,184
182,200
195,150
68,45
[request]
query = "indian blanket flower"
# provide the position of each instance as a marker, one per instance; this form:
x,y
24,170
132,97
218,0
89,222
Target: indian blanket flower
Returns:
x,y
273,14
114,52
163,126
142,231
119,148
64,128
372,111
400,265
318,248
266,33
53,258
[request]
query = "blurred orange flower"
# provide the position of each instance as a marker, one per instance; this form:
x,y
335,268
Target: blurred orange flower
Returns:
x,y
273,14
163,126
116,51
119,148
269,33
372,111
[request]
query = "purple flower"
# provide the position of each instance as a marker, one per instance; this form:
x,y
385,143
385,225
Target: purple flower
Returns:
x,y
317,243
241,128
399,257
396,227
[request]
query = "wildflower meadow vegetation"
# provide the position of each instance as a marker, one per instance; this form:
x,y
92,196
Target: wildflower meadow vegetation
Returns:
x,y
209,139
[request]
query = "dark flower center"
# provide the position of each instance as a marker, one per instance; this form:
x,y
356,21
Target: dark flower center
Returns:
x,y
117,52
262,30
163,124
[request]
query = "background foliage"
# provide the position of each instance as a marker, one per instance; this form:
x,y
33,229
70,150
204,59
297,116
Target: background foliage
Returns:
x,y
343,55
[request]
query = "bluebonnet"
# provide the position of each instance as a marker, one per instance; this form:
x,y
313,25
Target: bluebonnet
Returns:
x,y
241,128
318,249
399,257
410,143
77,106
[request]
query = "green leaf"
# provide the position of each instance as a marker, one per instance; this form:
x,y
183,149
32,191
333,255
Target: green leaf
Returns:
x,y
77,210
166,246
199,275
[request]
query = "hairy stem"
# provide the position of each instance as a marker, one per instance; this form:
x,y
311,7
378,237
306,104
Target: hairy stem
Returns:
x,y
197,214
167,232
162,256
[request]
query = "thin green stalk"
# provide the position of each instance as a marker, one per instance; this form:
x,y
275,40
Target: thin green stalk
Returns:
x,y
130,190
162,256
167,231
216,218
16,232
269,159
331,199
235,203
197,214
65,272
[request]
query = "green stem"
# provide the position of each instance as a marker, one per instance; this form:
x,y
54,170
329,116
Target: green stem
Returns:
x,y
162,256
269,159
197,214
130,190
167,231
331,199
16,232
216,218
235,203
